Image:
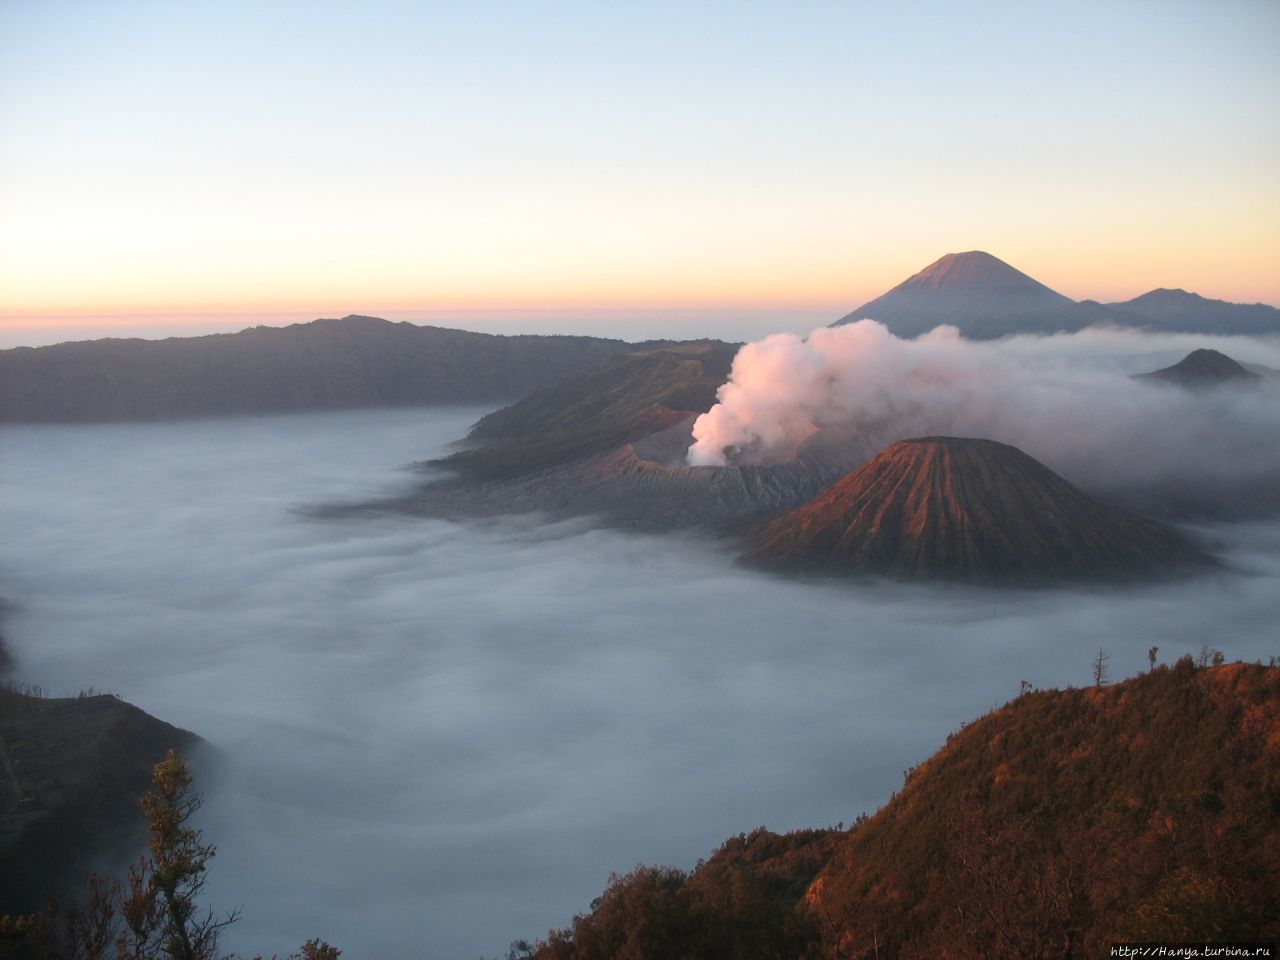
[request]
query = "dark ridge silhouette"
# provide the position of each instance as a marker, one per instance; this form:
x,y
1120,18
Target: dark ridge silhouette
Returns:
x,y
71,772
979,293
321,365
1201,370
1055,826
1177,311
963,509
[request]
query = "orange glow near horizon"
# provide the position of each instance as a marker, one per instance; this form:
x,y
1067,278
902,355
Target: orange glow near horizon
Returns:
x,y
1103,279
761,168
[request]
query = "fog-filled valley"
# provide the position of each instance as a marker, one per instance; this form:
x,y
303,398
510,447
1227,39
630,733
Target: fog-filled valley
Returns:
x,y
432,738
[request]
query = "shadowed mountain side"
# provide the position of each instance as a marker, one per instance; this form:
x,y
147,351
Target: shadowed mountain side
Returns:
x,y
6,658
71,773
646,485
962,509
1177,311
322,365
1061,823
624,399
1262,370
1201,370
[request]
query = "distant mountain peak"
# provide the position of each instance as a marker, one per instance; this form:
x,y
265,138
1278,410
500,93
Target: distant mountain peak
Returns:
x,y
975,291
975,268
1168,296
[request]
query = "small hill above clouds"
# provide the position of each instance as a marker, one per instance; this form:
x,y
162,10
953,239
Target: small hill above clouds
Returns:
x,y
964,509
322,365
1201,370
980,294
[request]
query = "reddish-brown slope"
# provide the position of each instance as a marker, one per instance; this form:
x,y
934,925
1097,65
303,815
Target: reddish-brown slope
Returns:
x,y
1055,826
1070,820
970,510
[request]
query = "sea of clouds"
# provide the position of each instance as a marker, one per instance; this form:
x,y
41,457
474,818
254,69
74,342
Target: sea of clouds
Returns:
x,y
435,738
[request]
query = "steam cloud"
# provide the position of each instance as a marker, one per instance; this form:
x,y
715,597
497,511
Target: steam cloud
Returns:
x,y
438,738
1066,399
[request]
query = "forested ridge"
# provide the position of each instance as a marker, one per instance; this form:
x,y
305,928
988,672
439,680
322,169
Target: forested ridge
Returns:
x,y
1052,827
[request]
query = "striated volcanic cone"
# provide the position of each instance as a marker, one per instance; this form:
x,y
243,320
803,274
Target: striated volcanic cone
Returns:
x,y
945,507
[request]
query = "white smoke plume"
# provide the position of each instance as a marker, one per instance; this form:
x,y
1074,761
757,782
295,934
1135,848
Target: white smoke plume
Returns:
x,y
1066,399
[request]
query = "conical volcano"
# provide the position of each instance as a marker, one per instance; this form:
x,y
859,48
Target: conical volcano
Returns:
x,y
976,510
979,293
1201,370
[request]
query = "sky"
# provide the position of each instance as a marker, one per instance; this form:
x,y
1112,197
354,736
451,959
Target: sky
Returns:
x,y
626,168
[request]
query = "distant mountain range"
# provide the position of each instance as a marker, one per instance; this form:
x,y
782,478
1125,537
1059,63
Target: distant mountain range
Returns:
x,y
965,509
986,298
368,362
322,365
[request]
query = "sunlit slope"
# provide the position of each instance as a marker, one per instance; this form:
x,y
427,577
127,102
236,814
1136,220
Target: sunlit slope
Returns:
x,y
1141,811
1061,823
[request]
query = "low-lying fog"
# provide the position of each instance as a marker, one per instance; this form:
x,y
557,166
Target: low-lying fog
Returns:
x,y
440,738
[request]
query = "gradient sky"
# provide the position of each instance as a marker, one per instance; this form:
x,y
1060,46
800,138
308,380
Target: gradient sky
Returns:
x,y
619,160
